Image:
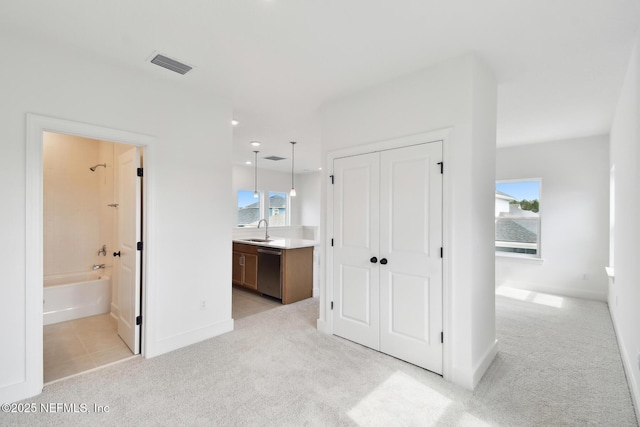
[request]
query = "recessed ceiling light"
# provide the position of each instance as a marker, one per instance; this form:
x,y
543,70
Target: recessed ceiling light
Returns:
x,y
255,143
248,162
319,169
234,122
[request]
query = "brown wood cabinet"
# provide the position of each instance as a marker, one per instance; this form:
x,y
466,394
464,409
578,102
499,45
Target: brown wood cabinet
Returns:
x,y
245,266
296,273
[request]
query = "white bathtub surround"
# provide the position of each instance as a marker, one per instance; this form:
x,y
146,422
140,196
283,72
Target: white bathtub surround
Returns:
x,y
75,295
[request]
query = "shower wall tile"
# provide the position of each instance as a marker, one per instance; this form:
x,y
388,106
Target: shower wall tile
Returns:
x,y
71,203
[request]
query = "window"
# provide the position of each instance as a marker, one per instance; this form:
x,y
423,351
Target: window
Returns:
x,y
278,212
518,217
248,208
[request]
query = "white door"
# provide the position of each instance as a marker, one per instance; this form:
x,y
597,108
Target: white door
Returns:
x,y
129,234
410,244
387,240
355,277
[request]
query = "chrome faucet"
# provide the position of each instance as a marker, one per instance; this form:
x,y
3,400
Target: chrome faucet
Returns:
x,y
103,251
97,266
266,228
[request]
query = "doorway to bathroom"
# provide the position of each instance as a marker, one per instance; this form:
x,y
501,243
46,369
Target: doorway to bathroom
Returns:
x,y
92,242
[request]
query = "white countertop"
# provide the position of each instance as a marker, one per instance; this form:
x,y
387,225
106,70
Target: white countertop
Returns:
x,y
281,243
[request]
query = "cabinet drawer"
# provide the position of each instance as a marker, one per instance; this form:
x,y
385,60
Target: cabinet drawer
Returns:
x,y
247,249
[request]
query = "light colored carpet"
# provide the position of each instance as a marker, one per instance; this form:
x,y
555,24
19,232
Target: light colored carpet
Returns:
x,y
556,366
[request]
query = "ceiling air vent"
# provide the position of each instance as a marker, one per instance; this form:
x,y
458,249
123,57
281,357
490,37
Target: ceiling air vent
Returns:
x,y
274,158
171,64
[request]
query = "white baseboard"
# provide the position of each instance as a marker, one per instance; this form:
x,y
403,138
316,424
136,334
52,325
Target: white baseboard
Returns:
x,y
628,365
22,390
482,366
178,341
115,311
323,326
469,378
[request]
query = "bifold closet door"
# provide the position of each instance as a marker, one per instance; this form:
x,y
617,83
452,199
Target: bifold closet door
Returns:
x,y
410,241
355,277
387,270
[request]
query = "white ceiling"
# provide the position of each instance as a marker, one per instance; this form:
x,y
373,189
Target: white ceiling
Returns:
x,y
559,64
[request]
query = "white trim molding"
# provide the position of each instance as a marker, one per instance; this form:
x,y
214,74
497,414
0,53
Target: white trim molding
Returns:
x,y
36,125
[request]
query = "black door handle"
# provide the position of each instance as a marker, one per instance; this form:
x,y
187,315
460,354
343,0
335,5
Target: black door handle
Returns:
x,y
374,260
383,261
116,253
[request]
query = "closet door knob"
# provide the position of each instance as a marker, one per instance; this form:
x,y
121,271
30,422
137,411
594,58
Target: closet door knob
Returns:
x,y
373,260
383,261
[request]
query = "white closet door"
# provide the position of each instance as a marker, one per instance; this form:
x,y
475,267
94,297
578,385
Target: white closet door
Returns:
x,y
387,265
410,243
355,277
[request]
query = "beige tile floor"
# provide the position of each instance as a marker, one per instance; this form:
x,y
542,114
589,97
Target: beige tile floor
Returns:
x,y
82,344
245,303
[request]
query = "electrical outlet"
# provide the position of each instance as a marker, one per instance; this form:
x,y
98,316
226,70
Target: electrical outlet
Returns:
x,y
203,305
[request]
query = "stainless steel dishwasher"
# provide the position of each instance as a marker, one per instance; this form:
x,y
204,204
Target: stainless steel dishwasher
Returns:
x,y
270,272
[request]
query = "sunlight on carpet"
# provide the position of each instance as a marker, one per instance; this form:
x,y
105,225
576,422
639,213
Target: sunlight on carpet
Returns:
x,y
530,296
402,400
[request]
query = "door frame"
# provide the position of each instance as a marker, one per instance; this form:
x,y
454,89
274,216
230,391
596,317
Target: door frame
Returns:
x,y
325,322
36,125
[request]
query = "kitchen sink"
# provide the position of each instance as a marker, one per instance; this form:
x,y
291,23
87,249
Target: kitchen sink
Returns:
x,y
257,240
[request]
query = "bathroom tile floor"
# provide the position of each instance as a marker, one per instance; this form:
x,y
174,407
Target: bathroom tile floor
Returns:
x,y
79,345
245,303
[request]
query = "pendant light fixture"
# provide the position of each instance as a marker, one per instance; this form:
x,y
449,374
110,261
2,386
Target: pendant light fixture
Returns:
x,y
292,193
255,187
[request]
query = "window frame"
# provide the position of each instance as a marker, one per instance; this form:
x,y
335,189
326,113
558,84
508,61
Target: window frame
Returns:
x,y
260,208
287,207
264,206
507,254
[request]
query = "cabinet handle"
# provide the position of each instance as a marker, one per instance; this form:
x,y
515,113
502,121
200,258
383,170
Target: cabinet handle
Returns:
x,y
383,261
116,253
373,260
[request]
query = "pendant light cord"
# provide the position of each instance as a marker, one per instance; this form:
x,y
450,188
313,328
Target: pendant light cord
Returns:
x,y
293,189
255,186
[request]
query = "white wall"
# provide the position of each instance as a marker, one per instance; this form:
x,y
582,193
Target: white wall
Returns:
x,y
459,94
574,210
309,190
189,162
624,300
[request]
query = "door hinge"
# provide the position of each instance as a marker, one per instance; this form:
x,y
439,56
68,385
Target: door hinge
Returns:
x,y
139,320
331,242
441,166
331,305
140,172
139,246
331,176
441,252
441,337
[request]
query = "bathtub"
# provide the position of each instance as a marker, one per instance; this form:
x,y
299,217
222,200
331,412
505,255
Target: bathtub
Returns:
x,y
75,295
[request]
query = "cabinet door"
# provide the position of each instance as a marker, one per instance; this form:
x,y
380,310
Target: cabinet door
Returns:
x,y
237,272
250,271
